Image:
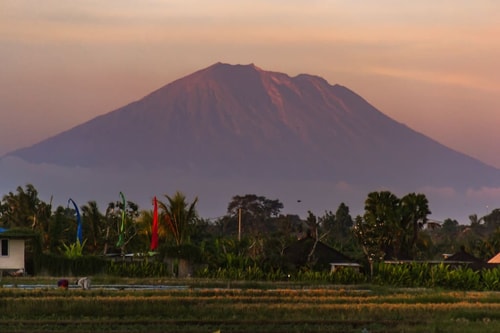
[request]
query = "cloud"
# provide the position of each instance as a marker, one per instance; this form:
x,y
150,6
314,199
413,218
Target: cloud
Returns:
x,y
485,194
447,78
345,186
446,192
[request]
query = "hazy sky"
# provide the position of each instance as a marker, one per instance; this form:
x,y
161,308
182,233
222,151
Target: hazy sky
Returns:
x,y
431,64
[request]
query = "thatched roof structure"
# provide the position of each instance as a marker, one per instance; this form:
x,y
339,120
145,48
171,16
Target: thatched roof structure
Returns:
x,y
301,254
464,258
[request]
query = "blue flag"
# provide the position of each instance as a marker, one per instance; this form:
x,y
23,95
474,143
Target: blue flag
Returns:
x,y
78,220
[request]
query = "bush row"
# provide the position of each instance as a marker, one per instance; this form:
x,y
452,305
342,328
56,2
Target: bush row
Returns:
x,y
54,265
411,275
415,275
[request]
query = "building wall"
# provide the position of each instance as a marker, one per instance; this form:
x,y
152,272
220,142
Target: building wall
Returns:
x,y
15,259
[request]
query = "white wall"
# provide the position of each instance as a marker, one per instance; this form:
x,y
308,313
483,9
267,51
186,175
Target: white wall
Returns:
x,y
15,259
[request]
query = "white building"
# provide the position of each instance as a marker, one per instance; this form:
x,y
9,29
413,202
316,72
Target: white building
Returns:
x,y
12,249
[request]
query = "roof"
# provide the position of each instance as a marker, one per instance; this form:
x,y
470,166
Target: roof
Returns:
x,y
298,252
463,256
495,259
16,233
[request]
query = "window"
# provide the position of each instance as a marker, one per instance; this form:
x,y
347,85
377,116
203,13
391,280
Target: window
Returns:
x,y
4,249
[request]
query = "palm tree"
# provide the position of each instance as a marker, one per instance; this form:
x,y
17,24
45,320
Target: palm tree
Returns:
x,y
383,218
414,211
179,216
94,220
61,230
20,209
109,219
475,220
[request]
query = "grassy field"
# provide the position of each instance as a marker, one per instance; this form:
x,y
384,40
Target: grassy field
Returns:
x,y
210,306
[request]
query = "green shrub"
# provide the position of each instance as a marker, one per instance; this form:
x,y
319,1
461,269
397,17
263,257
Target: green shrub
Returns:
x,y
138,269
57,265
347,275
74,250
464,278
439,276
490,279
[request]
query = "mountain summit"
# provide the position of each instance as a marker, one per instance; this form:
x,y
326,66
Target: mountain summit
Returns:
x,y
242,122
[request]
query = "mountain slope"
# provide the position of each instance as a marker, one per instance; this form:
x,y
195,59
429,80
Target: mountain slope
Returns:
x,y
242,121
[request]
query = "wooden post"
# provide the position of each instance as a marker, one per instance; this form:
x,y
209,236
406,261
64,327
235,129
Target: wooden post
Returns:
x,y
239,224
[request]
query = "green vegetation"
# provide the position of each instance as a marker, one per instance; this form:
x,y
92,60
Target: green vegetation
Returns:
x,y
250,242
241,276
74,250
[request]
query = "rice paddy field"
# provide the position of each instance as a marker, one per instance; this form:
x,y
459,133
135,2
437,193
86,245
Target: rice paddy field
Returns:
x,y
211,306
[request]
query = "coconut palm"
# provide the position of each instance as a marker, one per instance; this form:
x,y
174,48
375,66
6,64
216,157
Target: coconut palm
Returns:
x,y
382,216
414,211
179,216
93,220
24,208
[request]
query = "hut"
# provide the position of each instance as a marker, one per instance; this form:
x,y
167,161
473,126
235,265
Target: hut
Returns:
x,y
307,252
463,258
12,251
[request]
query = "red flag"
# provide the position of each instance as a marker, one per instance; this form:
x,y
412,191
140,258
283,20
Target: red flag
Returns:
x,y
154,229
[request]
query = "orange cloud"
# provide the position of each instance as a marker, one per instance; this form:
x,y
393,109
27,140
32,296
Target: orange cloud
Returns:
x,y
458,79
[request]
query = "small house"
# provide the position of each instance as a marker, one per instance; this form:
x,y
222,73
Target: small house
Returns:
x,y
12,251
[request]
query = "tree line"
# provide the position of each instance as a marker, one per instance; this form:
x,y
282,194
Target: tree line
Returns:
x,y
254,231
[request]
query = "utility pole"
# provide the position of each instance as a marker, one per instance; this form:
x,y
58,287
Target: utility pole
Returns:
x,y
239,224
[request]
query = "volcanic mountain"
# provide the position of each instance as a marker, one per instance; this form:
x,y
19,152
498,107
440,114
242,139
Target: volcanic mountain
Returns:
x,y
242,122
